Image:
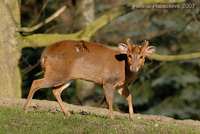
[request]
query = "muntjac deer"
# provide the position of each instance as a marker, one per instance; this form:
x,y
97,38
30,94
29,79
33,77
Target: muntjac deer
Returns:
x,y
68,60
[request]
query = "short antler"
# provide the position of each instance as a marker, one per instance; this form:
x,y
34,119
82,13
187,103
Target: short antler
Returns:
x,y
144,46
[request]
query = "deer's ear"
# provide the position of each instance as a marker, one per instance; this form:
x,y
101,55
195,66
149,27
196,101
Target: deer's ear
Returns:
x,y
122,48
150,50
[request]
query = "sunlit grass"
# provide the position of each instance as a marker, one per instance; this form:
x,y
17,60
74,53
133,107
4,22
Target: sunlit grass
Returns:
x,y
13,120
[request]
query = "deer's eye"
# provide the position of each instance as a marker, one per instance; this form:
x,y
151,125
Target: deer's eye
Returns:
x,y
129,56
141,57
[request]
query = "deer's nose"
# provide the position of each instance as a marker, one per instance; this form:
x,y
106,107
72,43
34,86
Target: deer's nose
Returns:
x,y
134,69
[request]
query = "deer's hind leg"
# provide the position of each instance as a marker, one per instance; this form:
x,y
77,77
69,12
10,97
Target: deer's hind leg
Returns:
x,y
51,79
57,93
37,84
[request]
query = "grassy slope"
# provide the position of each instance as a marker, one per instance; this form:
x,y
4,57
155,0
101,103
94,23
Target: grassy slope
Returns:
x,y
13,120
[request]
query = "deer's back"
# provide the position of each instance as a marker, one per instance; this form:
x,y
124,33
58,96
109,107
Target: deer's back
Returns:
x,y
80,59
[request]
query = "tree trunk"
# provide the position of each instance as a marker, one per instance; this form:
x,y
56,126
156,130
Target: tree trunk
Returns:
x,y
84,14
10,78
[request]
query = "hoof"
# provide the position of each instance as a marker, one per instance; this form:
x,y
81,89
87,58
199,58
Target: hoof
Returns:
x,y
25,111
67,113
111,117
131,117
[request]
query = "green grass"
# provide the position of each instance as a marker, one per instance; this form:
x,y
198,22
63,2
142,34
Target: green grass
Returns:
x,y
13,120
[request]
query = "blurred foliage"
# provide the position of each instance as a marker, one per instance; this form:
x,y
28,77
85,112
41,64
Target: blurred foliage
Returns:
x,y
165,88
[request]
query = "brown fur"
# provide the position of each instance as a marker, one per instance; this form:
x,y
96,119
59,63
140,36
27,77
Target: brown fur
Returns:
x,y
68,60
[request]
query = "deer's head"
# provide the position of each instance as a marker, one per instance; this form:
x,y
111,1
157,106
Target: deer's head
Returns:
x,y
136,54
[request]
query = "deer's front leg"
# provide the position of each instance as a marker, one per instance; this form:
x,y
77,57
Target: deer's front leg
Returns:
x,y
125,92
109,93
